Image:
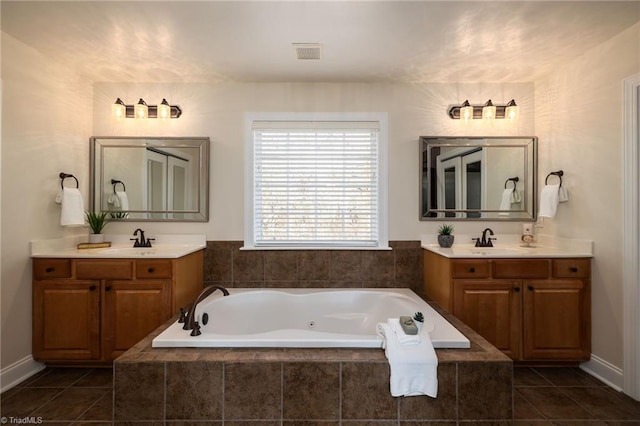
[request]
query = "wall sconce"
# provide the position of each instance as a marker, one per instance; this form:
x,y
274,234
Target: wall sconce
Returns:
x,y
488,111
141,110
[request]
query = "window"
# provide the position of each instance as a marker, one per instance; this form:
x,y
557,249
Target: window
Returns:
x,y
314,183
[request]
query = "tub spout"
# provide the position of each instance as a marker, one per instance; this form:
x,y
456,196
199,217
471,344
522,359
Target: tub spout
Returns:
x,y
190,319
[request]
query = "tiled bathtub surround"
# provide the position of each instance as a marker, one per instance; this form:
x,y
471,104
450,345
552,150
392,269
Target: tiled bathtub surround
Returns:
x,y
227,265
305,386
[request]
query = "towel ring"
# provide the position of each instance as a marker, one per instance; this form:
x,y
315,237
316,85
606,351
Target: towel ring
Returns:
x,y
63,176
115,182
514,180
559,173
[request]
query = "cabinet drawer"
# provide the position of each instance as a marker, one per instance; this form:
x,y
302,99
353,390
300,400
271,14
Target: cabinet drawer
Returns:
x,y
521,268
571,268
153,269
470,268
104,269
51,268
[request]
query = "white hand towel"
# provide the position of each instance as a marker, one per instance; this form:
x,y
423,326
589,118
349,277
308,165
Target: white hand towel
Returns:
x,y
403,338
72,208
123,200
515,197
505,202
549,201
563,195
414,368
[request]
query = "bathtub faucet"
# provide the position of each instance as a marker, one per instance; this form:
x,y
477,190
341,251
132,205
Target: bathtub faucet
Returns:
x,y
190,322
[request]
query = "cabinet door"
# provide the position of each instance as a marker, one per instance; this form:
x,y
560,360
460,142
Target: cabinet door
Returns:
x,y
556,320
132,310
493,309
66,320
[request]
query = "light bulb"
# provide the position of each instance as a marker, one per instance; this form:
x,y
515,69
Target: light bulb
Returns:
x,y
164,110
466,111
141,110
489,111
118,110
511,110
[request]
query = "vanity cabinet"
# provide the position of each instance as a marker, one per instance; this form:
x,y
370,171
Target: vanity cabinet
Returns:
x,y
532,309
90,311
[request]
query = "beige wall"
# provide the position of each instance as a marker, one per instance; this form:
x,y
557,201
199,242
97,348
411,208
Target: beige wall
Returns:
x,y
46,121
579,123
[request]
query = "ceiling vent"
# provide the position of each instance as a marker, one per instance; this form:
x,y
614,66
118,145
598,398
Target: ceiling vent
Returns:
x,y
308,51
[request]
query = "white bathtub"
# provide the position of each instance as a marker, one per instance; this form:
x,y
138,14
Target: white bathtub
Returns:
x,y
305,318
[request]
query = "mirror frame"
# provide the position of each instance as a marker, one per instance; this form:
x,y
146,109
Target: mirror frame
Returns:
x,y
425,142
97,179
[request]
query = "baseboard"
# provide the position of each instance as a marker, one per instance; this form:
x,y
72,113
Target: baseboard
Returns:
x,y
19,371
604,371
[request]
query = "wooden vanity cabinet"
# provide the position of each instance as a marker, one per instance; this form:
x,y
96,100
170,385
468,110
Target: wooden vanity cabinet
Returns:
x,y
531,309
90,311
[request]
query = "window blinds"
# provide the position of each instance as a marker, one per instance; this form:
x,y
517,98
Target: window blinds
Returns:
x,y
316,184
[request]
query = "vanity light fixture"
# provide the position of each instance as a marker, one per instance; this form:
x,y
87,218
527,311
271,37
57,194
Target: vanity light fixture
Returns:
x,y
488,111
162,111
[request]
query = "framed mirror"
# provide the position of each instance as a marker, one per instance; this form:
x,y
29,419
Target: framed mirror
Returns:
x,y
150,179
478,178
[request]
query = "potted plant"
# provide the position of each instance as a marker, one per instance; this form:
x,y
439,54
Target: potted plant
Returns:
x,y
445,237
96,221
418,318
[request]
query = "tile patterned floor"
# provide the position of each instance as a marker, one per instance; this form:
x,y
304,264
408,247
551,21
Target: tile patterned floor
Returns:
x,y
542,396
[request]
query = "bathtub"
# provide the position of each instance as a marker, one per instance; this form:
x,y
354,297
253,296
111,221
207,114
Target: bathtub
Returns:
x,y
305,318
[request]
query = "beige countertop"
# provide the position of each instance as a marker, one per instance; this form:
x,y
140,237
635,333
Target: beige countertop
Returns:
x,y
164,246
510,246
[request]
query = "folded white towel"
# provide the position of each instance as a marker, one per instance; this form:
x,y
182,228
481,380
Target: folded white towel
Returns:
x,y
549,201
121,200
414,368
72,208
505,202
403,338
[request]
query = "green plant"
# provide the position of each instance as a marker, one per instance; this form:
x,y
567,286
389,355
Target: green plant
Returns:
x,y
119,215
96,221
418,317
445,230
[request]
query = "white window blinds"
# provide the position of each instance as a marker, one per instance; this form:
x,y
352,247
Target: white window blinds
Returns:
x,y
316,184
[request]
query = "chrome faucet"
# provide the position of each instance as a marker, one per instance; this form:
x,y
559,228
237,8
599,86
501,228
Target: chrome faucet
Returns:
x,y
141,241
484,241
189,319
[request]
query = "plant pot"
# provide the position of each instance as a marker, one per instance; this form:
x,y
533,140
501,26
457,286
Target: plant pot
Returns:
x,y
445,241
96,238
419,324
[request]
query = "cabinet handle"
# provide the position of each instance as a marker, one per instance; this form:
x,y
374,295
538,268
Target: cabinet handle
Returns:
x,y
92,288
107,288
50,269
472,269
530,288
516,289
151,270
573,269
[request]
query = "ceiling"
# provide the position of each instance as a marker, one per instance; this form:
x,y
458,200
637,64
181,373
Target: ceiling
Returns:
x,y
371,41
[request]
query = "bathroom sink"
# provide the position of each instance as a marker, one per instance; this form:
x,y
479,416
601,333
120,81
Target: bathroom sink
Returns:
x,y
487,251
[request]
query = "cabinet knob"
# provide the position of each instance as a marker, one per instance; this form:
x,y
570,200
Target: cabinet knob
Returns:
x,y
151,270
530,288
50,269
573,269
516,289
92,288
472,269
107,288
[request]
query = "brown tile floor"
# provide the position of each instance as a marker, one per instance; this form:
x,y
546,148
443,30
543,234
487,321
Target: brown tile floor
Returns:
x,y
542,396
